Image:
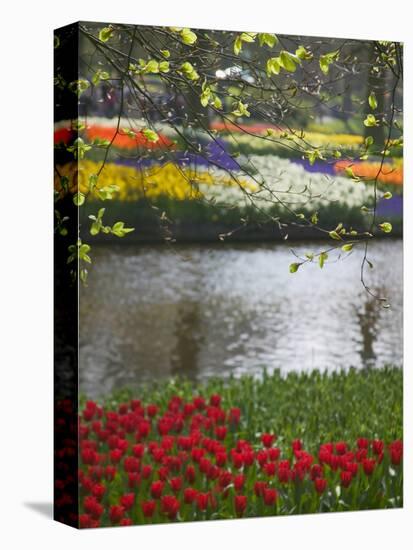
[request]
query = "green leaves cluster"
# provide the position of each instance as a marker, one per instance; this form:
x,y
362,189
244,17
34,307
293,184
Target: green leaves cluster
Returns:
x,y
118,229
189,71
240,109
243,37
79,148
286,60
370,121
79,86
327,59
106,33
149,66
187,36
209,97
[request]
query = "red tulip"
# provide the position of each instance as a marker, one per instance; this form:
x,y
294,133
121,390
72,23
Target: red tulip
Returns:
x,y
270,496
267,439
345,478
148,508
320,485
127,500
156,489
170,506
176,484
368,465
189,495
240,502
116,513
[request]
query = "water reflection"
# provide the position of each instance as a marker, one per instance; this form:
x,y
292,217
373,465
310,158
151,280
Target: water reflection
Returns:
x,y
154,312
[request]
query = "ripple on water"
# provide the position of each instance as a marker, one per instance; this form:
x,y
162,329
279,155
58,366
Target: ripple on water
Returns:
x,y
152,312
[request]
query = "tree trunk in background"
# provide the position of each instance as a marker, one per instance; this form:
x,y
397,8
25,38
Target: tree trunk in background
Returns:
x,y
377,84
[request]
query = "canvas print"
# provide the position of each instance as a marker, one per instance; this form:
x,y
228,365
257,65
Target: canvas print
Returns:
x,y
228,274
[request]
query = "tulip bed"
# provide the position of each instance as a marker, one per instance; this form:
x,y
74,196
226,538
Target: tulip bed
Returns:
x,y
301,443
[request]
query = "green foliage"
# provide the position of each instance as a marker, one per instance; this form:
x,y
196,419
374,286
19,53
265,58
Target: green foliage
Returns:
x,y
327,59
273,66
240,110
106,193
270,40
106,33
322,258
188,37
243,37
370,121
373,101
79,86
289,61
189,71
302,53
150,135
99,75
386,227
120,230
79,148
78,198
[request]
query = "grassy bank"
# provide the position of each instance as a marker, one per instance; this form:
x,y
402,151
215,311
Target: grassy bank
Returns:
x,y
313,406
303,443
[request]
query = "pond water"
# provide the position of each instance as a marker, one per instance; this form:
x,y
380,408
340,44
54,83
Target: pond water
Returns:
x,y
153,312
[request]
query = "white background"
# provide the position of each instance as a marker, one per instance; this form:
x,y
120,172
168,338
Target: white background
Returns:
x,y
26,272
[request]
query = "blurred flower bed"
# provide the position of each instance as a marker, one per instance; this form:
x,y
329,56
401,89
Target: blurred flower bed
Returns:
x,y
143,169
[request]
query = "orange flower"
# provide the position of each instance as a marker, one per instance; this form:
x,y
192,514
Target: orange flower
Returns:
x,y
389,173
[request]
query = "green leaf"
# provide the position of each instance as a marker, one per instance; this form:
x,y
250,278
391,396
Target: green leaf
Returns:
x,y
387,195
273,66
349,172
105,193
83,275
78,198
79,148
241,110
105,34
152,66
347,247
248,36
269,39
166,53
334,235
188,37
369,141
294,267
79,86
150,135
206,96
322,258
119,230
237,45
217,102
386,227
327,59
304,54
93,179
289,61
314,218
373,101
164,66
95,228
370,120
189,71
